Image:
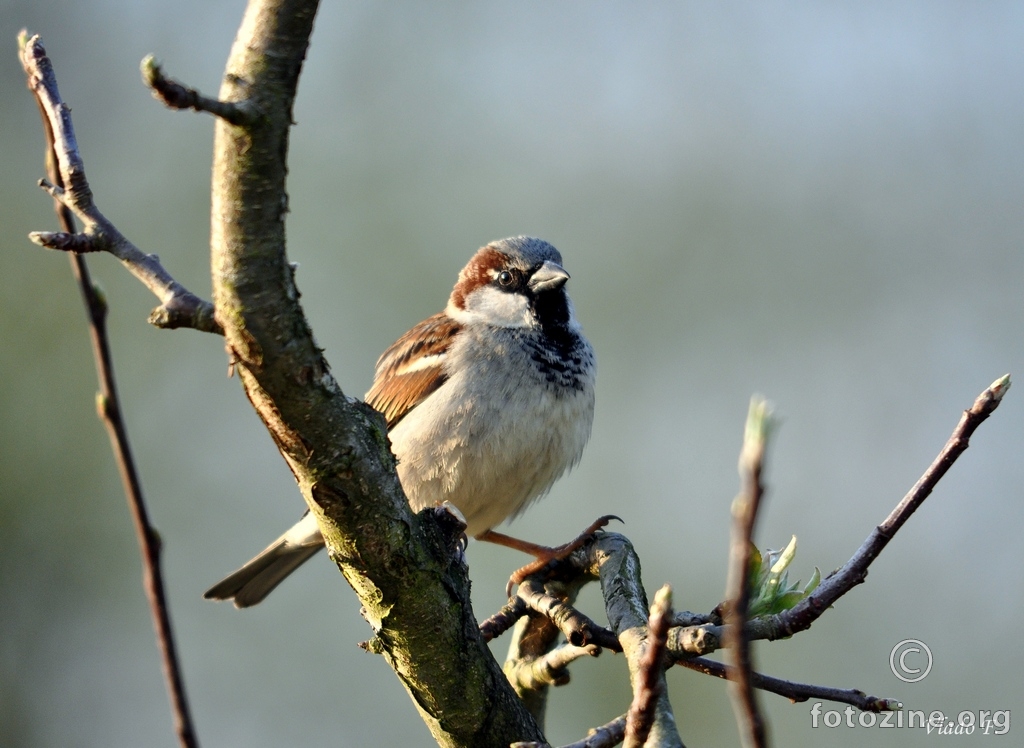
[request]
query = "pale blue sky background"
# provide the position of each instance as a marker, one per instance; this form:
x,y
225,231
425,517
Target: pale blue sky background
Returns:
x,y
820,203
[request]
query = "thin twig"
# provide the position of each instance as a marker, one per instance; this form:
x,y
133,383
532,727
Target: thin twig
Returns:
x,y
604,736
177,96
610,558
503,620
649,683
686,641
109,410
854,571
68,185
744,512
797,692
686,618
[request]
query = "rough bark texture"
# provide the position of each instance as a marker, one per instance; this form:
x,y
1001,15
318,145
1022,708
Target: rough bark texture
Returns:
x,y
407,573
618,568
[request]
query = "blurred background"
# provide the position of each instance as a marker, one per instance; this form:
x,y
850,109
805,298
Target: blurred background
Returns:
x,y
822,204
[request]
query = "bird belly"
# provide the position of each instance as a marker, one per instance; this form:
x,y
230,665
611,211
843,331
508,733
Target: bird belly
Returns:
x,y
490,456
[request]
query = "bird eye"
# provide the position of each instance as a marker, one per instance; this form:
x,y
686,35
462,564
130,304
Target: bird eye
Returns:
x,y
505,278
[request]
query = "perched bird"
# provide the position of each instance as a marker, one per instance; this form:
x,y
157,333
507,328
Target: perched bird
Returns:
x,y
487,404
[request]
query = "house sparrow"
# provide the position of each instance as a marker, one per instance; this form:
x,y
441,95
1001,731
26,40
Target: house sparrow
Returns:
x,y
487,404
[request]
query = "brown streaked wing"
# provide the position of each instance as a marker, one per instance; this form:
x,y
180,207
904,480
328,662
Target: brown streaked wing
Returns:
x,y
403,379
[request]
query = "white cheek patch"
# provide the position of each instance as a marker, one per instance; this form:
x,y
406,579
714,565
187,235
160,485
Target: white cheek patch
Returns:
x,y
494,307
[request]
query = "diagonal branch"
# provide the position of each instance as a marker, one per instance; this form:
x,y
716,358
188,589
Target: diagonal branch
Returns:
x,y
68,186
503,620
578,628
609,557
685,642
402,566
109,411
855,571
797,692
605,736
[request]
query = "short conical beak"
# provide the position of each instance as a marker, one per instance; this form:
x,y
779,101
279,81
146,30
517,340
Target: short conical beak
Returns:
x,y
548,277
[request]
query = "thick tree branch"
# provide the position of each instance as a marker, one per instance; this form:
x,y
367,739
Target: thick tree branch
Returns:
x,y
610,557
69,187
402,566
108,407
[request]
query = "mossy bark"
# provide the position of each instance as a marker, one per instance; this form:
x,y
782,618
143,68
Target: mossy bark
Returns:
x,y
409,576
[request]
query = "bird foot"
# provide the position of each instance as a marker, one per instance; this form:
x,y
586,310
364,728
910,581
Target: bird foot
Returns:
x,y
545,555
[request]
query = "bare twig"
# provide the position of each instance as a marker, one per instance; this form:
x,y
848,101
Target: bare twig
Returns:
x,y
533,663
549,670
577,628
504,619
611,558
69,187
686,618
649,685
533,639
604,736
177,96
689,641
854,571
744,512
109,411
797,692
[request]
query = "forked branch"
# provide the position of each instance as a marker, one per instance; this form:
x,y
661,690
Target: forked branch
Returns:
x,y
609,557
68,185
109,411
